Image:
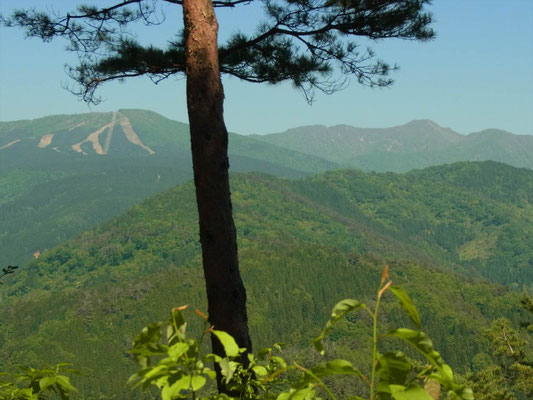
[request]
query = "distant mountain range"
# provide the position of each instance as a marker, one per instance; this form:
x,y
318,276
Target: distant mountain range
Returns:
x,y
417,144
62,174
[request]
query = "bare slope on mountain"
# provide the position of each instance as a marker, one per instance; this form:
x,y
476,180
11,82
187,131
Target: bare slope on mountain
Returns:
x,y
417,144
130,133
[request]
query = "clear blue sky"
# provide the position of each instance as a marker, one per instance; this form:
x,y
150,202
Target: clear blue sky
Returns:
x,y
477,74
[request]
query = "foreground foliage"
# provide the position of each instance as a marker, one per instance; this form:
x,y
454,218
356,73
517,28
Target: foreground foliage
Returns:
x,y
179,370
179,366
37,384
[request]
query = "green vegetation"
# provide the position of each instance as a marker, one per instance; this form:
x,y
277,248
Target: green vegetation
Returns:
x,y
37,384
179,370
49,194
514,372
173,362
10,269
304,245
473,217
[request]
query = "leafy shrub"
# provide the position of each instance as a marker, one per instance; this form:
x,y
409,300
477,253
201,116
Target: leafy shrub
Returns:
x,y
37,384
174,363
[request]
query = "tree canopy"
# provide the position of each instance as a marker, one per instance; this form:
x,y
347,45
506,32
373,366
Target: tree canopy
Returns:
x,y
308,42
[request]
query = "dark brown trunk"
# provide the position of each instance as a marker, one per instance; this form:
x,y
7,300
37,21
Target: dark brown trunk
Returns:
x,y
226,296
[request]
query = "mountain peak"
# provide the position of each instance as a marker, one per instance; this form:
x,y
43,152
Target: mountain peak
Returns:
x,y
424,123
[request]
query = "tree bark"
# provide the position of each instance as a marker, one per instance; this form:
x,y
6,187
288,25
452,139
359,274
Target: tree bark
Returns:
x,y
226,295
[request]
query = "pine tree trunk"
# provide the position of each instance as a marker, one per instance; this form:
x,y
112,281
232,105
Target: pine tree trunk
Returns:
x,y
226,295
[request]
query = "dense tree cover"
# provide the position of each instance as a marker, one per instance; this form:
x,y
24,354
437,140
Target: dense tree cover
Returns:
x,y
165,136
512,377
37,384
302,250
179,366
477,217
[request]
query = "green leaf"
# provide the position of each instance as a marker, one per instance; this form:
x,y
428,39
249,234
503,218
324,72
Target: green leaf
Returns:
x,y
335,367
407,304
211,358
411,392
226,368
155,373
230,346
197,382
464,393
444,376
146,344
343,307
421,342
46,382
177,350
263,353
210,373
297,394
392,368
173,391
134,378
149,334
64,381
176,331
339,311
259,370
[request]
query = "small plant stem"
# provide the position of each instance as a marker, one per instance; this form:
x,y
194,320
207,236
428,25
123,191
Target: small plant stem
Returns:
x,y
316,378
374,348
196,358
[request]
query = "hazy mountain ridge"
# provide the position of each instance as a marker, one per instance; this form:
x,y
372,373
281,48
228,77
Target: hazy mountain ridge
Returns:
x,y
417,144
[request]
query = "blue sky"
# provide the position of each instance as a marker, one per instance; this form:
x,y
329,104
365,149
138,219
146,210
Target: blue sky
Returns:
x,y
477,74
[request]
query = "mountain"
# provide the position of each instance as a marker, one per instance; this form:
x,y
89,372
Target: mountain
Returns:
x,y
418,144
446,232
62,174
129,134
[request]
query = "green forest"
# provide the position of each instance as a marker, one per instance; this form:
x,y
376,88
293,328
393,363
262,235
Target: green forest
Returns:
x,y
455,238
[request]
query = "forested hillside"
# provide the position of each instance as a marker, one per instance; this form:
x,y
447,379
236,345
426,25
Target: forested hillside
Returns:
x,y
304,245
63,174
476,217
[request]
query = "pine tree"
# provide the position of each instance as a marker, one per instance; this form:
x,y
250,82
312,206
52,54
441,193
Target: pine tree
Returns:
x,y
308,42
